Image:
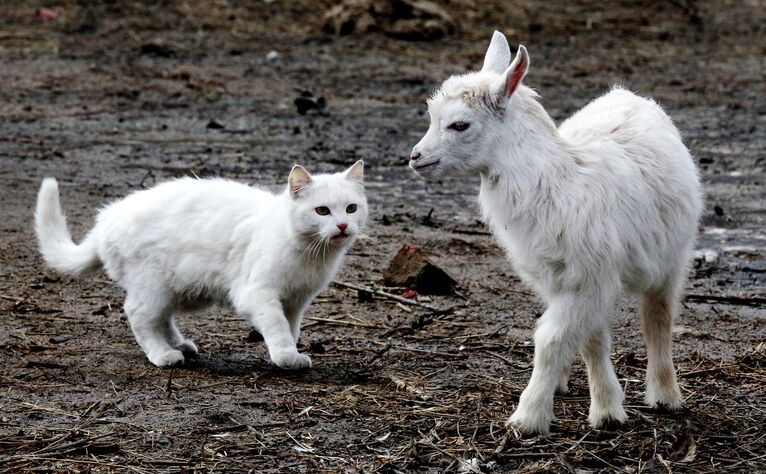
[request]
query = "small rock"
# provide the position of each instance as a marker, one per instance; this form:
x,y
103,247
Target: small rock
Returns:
x,y
412,269
215,125
718,210
317,347
306,102
364,296
46,14
157,49
705,257
273,55
406,19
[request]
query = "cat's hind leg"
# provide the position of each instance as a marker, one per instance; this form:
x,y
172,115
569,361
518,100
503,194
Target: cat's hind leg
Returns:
x,y
177,340
149,309
295,318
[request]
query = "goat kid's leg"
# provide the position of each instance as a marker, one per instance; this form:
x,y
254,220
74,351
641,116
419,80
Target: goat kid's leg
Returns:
x,y
267,316
657,312
606,395
148,311
555,335
563,384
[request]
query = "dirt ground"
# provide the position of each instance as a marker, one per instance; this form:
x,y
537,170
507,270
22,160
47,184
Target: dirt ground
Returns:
x,y
112,96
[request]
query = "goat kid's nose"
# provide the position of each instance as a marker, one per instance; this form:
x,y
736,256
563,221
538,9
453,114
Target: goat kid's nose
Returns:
x,y
415,155
343,227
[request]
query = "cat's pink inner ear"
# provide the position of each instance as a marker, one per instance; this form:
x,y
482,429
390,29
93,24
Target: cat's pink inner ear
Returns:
x,y
299,179
356,172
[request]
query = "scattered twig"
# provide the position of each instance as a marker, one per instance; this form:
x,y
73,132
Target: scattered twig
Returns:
x,y
388,295
378,354
426,351
343,322
733,300
169,389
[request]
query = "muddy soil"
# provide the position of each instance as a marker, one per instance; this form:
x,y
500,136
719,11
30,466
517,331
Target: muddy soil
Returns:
x,y
112,97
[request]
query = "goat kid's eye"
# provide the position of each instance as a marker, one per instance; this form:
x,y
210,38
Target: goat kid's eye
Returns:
x,y
459,126
322,210
351,208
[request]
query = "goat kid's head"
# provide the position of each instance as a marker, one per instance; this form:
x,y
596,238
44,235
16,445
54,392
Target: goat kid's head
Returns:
x,y
467,114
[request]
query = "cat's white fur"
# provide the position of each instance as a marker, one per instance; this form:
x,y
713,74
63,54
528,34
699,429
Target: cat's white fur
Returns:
x,y
608,201
188,243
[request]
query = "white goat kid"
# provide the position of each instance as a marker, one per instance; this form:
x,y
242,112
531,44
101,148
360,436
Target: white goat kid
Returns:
x,y
608,201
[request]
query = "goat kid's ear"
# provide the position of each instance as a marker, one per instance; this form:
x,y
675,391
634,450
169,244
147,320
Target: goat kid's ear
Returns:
x,y
299,179
498,54
504,87
356,172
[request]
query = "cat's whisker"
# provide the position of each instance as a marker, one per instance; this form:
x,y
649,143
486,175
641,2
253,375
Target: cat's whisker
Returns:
x,y
324,249
314,247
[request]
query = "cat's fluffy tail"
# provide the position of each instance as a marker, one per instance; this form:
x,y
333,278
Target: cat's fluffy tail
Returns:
x,y
56,244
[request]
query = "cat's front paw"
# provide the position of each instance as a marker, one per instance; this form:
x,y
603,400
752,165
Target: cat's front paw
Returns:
x,y
291,360
167,358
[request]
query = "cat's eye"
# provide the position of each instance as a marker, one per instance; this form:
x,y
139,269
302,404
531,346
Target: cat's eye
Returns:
x,y
351,208
459,126
322,210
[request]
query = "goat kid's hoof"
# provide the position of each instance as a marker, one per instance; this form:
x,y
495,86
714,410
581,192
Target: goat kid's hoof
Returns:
x,y
292,360
529,425
167,358
671,400
608,420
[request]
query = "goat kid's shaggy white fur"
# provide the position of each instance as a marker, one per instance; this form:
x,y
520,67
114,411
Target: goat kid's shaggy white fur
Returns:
x,y
608,201
189,243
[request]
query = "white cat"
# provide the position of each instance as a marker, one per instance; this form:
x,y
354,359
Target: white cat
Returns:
x,y
189,243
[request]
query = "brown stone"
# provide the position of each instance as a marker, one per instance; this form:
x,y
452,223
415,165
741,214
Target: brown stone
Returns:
x,y
411,268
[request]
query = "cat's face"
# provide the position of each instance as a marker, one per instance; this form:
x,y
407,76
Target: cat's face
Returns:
x,y
328,209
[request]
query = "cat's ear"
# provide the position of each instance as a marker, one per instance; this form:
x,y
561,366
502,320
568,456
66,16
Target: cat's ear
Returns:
x,y
299,179
356,172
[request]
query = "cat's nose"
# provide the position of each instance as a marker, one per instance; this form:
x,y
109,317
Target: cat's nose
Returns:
x,y
415,155
343,227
